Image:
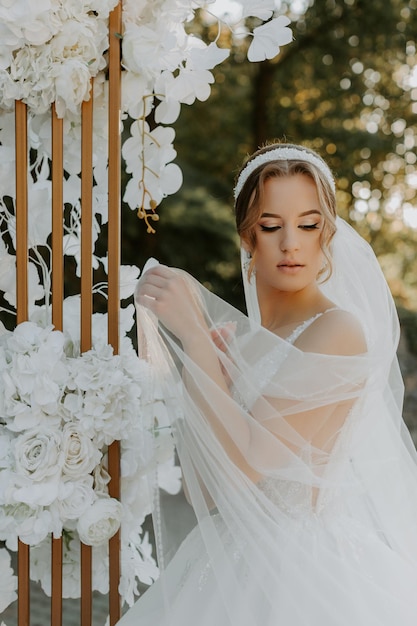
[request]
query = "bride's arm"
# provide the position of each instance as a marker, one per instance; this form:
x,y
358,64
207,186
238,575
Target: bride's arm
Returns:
x,y
168,295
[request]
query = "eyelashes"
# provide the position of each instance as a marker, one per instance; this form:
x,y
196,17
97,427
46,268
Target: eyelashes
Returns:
x,y
271,229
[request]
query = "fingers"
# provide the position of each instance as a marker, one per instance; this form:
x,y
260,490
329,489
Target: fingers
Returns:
x,y
162,271
154,283
167,293
162,290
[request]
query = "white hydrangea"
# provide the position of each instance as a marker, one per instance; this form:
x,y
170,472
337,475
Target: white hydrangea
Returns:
x,y
60,410
57,46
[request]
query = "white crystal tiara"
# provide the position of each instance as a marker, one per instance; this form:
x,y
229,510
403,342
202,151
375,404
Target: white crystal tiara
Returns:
x,y
283,154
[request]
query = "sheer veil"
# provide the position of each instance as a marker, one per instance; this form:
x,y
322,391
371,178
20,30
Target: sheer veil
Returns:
x,y
325,510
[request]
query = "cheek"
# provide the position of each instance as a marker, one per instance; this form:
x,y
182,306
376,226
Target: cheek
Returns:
x,y
317,253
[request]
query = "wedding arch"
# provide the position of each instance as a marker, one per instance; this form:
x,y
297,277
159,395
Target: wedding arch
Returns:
x,y
77,466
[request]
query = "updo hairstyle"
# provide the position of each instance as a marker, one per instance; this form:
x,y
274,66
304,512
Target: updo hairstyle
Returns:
x,y
248,204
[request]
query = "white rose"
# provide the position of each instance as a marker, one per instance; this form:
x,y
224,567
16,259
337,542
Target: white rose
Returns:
x,y
38,454
100,522
80,454
75,498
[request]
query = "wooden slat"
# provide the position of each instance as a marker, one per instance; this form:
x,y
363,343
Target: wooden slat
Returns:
x,y
57,320
114,195
86,307
114,174
21,208
86,223
21,212
114,192
23,590
56,582
57,220
86,586
114,543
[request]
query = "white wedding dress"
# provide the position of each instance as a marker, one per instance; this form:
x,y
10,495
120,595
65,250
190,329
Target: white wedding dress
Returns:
x,y
328,535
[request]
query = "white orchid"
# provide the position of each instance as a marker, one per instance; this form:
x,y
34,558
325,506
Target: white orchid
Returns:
x,y
137,563
148,156
128,280
8,278
8,581
263,9
268,38
39,214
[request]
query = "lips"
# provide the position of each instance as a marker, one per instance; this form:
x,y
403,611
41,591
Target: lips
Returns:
x,y
289,264
290,267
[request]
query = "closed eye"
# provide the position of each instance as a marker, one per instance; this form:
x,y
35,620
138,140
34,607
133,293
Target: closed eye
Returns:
x,y
269,229
310,226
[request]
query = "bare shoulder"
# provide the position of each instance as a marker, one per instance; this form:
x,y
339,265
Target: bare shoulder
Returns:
x,y
334,332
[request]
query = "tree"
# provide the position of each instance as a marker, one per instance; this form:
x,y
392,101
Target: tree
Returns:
x,y
347,87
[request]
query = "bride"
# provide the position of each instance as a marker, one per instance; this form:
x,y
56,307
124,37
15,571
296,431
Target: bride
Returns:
x,y
300,472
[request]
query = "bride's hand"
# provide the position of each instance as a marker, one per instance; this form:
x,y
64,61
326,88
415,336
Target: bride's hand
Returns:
x,y
170,296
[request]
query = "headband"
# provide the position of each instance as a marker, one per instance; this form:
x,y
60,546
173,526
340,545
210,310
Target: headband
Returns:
x,y
283,154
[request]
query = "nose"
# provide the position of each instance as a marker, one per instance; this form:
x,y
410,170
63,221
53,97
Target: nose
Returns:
x,y
289,239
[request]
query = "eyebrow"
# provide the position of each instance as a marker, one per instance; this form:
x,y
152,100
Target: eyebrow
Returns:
x,y
312,212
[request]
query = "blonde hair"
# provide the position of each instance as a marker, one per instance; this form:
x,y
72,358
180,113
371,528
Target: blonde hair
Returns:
x,y
248,205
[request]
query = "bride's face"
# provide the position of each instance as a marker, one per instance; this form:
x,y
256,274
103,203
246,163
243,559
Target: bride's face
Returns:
x,y
288,256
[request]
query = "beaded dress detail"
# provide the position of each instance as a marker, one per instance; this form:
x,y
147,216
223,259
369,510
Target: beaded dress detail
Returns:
x,y
293,498
292,337
268,365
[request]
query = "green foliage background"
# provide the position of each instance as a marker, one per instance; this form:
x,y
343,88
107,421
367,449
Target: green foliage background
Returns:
x,y
345,86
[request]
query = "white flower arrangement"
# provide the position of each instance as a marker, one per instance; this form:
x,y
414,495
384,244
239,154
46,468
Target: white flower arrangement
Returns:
x,y
50,51
60,410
